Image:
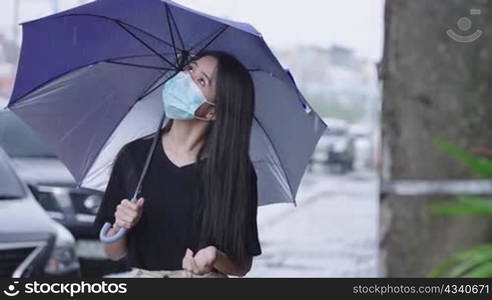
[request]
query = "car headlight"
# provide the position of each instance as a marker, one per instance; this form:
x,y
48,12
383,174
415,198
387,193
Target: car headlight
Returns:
x,y
63,258
92,203
84,202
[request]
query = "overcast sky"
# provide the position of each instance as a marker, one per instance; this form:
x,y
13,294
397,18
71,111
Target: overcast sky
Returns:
x,y
357,24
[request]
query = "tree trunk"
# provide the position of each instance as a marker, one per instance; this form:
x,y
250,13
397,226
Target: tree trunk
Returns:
x,y
433,86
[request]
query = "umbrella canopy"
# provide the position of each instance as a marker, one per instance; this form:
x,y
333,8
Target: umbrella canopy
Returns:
x,y
90,79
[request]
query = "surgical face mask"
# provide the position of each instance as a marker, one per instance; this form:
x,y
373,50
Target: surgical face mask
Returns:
x,y
182,97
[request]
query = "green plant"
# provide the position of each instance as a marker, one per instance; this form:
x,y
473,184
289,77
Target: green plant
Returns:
x,y
481,166
476,262
465,205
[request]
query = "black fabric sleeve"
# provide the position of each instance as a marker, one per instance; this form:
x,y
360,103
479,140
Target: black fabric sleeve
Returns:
x,y
253,245
115,192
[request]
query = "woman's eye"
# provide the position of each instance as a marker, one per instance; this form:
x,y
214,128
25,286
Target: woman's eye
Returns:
x,y
202,82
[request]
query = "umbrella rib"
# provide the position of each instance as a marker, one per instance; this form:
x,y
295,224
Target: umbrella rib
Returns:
x,y
141,55
156,38
176,26
168,21
204,39
304,104
152,36
184,63
148,92
34,89
280,161
123,25
85,164
145,44
118,21
213,39
80,67
85,169
137,65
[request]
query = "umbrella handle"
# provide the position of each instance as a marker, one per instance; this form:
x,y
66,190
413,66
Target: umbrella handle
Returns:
x,y
103,234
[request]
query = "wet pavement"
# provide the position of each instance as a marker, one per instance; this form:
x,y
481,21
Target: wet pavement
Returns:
x,y
331,233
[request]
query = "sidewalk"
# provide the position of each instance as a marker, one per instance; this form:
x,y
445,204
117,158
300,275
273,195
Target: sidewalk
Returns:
x,y
331,233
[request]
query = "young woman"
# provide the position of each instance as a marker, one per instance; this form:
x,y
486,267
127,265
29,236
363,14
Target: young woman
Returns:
x,y
196,216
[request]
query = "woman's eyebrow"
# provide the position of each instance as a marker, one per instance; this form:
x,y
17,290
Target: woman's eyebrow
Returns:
x,y
204,74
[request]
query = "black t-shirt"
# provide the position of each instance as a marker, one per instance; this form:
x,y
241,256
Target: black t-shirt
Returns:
x,y
166,228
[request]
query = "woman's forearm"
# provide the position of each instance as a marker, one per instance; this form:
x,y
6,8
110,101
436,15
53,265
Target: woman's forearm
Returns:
x,y
225,265
116,250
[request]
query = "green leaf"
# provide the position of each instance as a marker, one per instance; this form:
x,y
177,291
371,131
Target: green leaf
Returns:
x,y
466,205
473,261
470,263
444,269
479,165
482,271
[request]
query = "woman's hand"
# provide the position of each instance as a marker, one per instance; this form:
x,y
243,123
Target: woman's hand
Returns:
x,y
127,213
202,262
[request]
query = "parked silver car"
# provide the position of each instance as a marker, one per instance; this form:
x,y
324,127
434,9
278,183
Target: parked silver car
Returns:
x,y
53,185
55,189
31,243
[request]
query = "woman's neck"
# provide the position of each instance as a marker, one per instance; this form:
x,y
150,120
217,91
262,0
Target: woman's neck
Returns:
x,y
185,135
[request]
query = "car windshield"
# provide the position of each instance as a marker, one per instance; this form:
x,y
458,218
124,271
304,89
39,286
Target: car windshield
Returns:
x,y
10,187
19,140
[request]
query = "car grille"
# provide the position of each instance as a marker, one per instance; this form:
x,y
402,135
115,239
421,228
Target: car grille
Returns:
x,y
21,259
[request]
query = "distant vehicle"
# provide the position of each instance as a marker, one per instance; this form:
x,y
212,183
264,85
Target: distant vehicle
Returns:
x,y
363,134
336,148
31,243
55,190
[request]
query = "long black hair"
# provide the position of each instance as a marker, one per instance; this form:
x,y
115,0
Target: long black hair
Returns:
x,y
226,173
